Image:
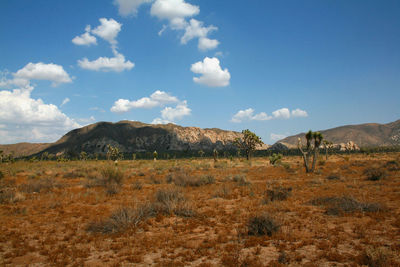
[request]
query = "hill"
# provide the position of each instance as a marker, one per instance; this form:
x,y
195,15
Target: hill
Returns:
x,y
23,149
133,136
364,135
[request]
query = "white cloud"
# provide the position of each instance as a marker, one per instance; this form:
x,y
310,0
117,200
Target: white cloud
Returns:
x,y
177,113
195,29
157,99
106,64
29,119
108,30
248,114
276,137
211,73
283,113
173,10
85,38
65,101
207,44
129,7
299,113
37,71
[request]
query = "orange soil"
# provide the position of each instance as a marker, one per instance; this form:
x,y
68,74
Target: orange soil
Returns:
x,y
50,228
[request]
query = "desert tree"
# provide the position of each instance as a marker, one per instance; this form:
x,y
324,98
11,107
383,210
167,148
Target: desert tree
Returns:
x,y
311,150
248,142
155,154
215,154
83,156
113,153
201,153
327,145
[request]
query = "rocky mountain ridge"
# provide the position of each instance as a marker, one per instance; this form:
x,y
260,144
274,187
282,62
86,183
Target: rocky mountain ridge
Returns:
x,y
351,137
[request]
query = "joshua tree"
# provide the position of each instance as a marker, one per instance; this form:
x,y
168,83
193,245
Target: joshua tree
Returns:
x,y
311,149
155,154
215,154
327,145
248,143
113,153
83,155
201,153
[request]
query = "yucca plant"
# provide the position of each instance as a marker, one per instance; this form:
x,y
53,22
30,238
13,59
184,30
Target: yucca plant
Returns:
x,y
311,150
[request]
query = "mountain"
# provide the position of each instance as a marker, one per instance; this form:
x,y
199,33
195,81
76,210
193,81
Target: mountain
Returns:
x,y
133,136
364,135
23,149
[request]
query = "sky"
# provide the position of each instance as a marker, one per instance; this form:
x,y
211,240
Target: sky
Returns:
x,y
277,68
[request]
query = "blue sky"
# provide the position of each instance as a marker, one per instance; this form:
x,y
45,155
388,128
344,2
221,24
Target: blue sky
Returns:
x,y
275,67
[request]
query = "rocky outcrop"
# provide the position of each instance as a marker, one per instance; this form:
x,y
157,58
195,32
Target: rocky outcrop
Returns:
x,y
130,137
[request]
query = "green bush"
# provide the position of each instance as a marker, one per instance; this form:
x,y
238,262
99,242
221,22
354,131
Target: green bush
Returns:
x,y
275,159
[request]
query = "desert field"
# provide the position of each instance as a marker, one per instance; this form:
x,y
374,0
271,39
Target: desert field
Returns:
x,y
195,212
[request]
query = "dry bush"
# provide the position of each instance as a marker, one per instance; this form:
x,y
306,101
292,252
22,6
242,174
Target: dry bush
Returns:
x,y
184,180
333,177
122,219
40,185
374,174
342,205
392,165
110,179
74,174
112,175
171,201
374,257
240,179
223,192
7,195
155,180
262,224
137,185
1,175
277,193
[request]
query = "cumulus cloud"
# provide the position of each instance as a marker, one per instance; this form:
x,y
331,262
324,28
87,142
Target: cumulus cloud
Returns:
x,y
248,114
118,63
173,10
207,44
31,120
37,71
160,121
108,30
176,12
129,7
65,101
177,113
283,113
299,113
157,99
85,38
195,29
211,73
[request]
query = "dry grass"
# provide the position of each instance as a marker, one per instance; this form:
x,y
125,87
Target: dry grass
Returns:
x,y
193,212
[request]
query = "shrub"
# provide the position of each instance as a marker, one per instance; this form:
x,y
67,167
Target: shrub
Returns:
x,y
137,185
374,257
374,174
1,175
262,225
112,175
333,177
121,219
278,193
342,205
392,165
6,195
223,192
37,186
240,179
275,159
172,201
112,189
182,179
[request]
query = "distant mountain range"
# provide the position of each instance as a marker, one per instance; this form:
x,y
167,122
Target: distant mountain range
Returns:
x,y
133,136
364,135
